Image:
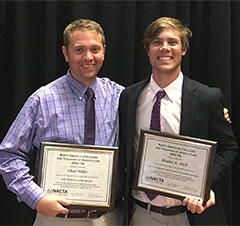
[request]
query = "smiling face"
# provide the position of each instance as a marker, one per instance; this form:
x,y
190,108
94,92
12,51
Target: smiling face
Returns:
x,y
85,55
165,54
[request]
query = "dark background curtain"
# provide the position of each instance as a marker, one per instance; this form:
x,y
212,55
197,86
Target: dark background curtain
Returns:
x,y
31,39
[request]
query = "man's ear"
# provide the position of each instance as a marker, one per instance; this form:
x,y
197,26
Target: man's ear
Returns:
x,y
104,50
65,53
184,52
147,51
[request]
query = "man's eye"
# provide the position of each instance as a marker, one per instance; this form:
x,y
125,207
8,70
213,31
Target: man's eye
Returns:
x,y
96,50
156,43
173,42
79,50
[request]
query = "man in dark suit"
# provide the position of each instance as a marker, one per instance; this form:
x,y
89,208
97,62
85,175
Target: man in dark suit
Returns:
x,y
186,107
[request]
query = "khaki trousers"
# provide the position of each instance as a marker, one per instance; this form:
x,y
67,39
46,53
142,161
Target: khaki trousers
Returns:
x,y
141,216
113,218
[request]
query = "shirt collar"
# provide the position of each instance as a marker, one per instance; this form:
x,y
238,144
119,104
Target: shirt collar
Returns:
x,y
172,90
78,88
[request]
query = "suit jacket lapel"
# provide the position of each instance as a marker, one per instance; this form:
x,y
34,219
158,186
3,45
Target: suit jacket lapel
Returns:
x,y
189,104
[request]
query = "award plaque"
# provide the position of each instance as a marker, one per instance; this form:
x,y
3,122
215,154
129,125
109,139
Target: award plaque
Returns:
x,y
174,165
83,174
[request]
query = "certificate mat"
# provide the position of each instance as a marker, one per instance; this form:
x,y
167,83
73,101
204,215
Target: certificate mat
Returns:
x,y
83,174
175,166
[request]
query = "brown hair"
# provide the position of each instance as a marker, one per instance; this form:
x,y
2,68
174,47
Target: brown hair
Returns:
x,y
82,24
156,27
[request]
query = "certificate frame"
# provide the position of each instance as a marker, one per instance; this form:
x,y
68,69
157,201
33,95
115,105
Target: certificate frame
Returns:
x,y
168,164
86,175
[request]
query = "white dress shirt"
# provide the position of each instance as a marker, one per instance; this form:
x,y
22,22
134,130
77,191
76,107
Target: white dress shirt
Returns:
x,y
170,114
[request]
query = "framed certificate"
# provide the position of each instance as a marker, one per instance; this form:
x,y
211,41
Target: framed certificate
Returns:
x,y
175,166
83,174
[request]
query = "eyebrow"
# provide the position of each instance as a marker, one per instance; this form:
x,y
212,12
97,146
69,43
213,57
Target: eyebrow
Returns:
x,y
80,46
177,39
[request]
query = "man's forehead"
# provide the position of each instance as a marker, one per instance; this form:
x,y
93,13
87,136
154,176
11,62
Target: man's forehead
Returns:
x,y
169,32
85,34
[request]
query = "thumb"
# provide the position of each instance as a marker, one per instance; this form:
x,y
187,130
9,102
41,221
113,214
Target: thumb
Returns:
x,y
65,202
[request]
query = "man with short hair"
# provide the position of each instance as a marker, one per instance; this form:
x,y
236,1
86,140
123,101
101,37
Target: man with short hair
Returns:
x,y
185,107
56,113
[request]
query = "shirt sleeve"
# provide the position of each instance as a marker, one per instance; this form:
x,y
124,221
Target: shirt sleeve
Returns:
x,y
15,153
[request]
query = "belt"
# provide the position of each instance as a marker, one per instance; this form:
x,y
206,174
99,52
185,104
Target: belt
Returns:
x,y
79,213
165,210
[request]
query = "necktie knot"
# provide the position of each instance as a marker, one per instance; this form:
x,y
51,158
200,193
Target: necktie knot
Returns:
x,y
89,92
160,94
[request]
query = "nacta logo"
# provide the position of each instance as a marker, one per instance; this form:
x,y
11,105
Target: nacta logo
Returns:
x,y
157,179
55,190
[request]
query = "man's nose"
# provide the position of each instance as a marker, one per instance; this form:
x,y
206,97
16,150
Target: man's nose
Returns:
x,y
88,55
165,45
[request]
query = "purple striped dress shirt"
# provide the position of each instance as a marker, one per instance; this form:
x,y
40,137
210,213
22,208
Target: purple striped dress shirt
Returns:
x,y
55,113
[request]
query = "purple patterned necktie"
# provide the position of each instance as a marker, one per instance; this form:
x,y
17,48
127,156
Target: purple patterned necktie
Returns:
x,y
89,136
155,125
